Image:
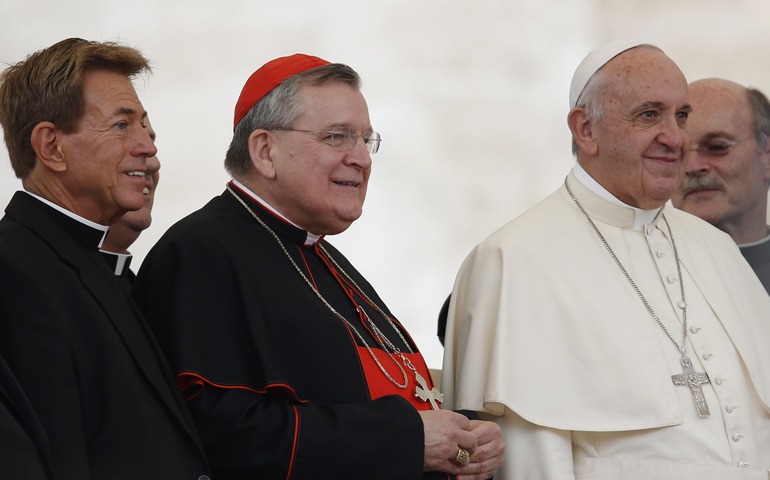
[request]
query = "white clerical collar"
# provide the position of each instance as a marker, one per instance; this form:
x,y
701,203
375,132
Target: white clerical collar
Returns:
x,y
754,244
641,217
122,261
311,239
74,216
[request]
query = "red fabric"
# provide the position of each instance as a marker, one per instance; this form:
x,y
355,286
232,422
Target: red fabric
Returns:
x,y
379,385
191,385
269,76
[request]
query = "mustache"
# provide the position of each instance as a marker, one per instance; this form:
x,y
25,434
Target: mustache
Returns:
x,y
700,183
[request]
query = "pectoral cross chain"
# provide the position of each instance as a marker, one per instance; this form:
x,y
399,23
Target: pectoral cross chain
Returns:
x,y
421,391
692,379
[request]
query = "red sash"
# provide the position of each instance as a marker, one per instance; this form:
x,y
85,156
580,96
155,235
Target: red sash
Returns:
x,y
379,385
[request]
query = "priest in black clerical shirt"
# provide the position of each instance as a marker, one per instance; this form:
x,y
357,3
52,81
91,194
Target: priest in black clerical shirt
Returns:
x,y
127,229
74,340
292,365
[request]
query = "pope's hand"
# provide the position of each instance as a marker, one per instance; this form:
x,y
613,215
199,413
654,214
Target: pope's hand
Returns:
x,y
488,456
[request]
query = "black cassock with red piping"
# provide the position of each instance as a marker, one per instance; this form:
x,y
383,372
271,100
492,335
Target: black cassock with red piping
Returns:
x,y
279,386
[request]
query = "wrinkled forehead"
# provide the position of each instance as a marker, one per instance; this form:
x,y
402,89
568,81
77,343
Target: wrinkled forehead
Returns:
x,y
720,109
723,95
109,95
648,73
336,103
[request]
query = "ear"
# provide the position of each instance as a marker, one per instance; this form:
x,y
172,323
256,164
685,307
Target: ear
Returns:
x,y
46,142
262,150
582,130
766,159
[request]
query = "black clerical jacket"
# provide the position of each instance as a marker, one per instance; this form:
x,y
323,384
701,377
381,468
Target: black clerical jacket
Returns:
x,y
84,356
274,379
23,443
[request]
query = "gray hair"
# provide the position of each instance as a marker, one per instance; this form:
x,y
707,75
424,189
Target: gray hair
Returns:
x,y
592,100
280,108
760,109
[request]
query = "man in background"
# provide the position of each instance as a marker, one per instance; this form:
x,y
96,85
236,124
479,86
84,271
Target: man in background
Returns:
x,y
127,229
728,171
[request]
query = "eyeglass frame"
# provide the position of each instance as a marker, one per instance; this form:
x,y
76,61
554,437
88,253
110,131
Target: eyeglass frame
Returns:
x,y
349,138
727,149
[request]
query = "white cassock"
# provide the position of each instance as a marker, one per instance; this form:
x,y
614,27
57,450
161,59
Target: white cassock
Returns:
x,y
547,336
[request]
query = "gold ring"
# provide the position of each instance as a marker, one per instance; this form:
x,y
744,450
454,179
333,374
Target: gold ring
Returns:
x,y
462,457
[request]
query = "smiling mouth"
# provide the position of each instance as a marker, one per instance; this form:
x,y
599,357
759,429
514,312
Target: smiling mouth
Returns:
x,y
347,184
143,174
663,158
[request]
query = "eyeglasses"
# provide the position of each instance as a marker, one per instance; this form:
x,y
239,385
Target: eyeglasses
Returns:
x,y
716,147
344,138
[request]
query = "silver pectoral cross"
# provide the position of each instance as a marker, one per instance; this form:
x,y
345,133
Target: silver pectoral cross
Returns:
x,y
421,391
690,378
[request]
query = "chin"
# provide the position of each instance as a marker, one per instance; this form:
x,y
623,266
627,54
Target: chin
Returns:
x,y
704,212
131,206
658,197
131,200
138,220
337,228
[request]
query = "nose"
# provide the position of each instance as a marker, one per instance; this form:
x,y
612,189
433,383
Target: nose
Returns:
x,y
697,164
358,155
674,135
144,144
153,164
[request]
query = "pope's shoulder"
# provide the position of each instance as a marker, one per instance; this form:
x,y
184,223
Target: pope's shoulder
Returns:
x,y
545,222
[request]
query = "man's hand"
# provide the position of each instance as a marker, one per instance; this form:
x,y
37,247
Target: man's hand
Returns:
x,y
445,433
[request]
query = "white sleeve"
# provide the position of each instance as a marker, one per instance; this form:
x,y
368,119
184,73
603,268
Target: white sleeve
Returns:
x,y
533,452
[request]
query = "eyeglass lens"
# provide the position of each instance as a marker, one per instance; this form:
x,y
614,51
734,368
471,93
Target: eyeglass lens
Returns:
x,y
347,137
716,147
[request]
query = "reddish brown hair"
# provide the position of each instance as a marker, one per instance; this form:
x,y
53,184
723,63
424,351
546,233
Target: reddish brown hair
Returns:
x,y
48,87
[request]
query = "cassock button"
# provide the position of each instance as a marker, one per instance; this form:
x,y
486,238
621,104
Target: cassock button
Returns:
x,y
718,380
730,409
681,304
648,229
707,356
660,254
744,464
695,329
737,436
671,279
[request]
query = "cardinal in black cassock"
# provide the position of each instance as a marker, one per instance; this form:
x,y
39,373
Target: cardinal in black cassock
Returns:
x,y
276,382
292,365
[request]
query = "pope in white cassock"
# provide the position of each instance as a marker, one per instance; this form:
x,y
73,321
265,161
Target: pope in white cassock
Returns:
x,y
610,335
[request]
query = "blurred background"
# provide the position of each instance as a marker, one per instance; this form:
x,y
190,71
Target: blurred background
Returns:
x,y
471,100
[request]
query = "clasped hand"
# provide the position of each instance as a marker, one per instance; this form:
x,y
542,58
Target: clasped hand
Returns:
x,y
446,432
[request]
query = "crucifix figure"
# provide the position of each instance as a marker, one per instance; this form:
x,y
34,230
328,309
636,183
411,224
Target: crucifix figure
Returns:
x,y
421,391
690,378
